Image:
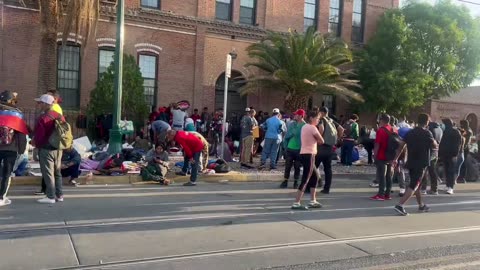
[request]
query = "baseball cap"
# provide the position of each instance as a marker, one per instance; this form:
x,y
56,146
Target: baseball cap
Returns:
x,y
300,112
276,110
247,109
47,99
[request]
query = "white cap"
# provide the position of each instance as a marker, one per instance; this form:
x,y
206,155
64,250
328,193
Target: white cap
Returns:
x,y
47,99
276,110
247,109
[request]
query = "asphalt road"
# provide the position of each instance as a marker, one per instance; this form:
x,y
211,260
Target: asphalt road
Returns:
x,y
236,226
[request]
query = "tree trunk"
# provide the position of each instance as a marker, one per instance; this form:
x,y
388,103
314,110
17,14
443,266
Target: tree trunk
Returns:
x,y
296,102
47,64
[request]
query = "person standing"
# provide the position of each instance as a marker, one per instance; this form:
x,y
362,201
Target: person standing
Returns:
x,y
293,145
437,133
420,143
206,118
246,133
384,166
330,131
310,138
50,158
13,141
55,107
351,134
274,128
450,147
196,119
192,149
178,118
468,134
367,143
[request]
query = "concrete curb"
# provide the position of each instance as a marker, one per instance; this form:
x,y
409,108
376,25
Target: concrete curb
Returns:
x,y
213,178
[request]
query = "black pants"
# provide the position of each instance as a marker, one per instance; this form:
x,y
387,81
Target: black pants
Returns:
x,y
432,171
324,157
450,169
369,144
416,177
73,172
310,175
8,159
384,177
292,160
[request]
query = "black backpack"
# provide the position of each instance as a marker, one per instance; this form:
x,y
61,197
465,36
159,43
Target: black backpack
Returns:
x,y
393,143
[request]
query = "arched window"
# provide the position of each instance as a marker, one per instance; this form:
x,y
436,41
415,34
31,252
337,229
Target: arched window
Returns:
x,y
68,75
310,14
335,19
358,22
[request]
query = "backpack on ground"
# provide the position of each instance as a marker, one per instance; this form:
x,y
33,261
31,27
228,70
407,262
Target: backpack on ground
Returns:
x,y
330,135
393,143
6,135
61,137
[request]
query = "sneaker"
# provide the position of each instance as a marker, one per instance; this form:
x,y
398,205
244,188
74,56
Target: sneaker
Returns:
x,y
46,200
273,168
401,194
325,191
7,201
39,192
295,184
423,192
433,192
59,199
373,185
284,184
402,191
387,197
424,208
400,210
449,191
181,173
377,198
315,205
3,202
297,206
73,183
261,167
189,184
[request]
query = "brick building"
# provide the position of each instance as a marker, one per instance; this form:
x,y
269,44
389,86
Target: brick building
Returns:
x,y
180,46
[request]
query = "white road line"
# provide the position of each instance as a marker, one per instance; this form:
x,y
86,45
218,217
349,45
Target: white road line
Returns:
x,y
274,247
454,266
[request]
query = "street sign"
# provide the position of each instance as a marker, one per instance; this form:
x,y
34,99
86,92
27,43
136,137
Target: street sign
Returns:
x,y
228,68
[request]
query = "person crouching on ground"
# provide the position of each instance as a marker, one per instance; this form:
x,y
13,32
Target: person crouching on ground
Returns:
x,y
310,138
158,165
71,165
192,149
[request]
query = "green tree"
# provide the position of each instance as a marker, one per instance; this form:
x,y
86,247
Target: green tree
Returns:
x,y
298,65
134,106
418,52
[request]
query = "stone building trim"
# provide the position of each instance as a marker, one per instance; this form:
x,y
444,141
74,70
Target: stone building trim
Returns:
x,y
148,47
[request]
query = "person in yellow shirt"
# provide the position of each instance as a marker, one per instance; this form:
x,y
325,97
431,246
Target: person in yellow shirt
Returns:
x,y
55,106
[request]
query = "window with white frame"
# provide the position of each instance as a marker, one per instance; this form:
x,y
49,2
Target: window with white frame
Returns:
x,y
223,10
148,67
310,14
335,19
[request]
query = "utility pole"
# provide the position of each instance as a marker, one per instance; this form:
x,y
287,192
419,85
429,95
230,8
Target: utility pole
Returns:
x,y
115,143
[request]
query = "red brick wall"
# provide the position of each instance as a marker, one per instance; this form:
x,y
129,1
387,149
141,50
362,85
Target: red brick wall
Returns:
x,y
284,15
182,7
375,9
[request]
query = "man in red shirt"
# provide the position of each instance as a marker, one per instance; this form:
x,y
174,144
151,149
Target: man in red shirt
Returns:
x,y
50,158
192,148
195,117
384,166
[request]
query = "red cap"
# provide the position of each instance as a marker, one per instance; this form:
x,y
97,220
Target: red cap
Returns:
x,y
300,112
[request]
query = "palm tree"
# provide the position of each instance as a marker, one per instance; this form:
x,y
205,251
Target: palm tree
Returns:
x,y
79,17
300,65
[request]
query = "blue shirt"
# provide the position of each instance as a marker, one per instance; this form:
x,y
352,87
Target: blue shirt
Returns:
x,y
274,128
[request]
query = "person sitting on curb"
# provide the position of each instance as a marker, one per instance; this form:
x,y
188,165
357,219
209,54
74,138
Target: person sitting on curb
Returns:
x,y
192,149
71,165
158,165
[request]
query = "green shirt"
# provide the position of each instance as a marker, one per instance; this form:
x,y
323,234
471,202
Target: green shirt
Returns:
x,y
293,136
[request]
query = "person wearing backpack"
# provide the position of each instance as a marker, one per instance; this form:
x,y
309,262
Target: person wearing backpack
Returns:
x,y
13,141
351,134
384,164
330,131
50,157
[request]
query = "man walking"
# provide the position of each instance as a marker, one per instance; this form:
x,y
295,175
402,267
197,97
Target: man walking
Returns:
x,y
437,133
330,131
192,149
450,147
273,136
50,158
420,143
246,124
293,146
384,166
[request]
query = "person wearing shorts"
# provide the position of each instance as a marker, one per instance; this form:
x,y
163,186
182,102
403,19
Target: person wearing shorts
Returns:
x,y
310,138
420,143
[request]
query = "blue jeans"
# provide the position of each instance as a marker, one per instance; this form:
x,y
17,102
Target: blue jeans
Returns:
x,y
270,150
195,166
460,161
347,152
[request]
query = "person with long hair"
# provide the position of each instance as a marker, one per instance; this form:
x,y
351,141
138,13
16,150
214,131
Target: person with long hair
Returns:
x,y
310,138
